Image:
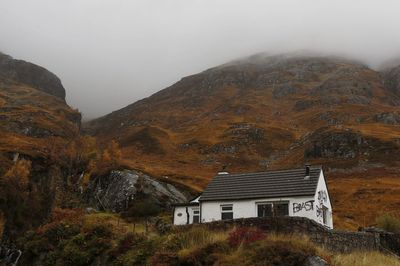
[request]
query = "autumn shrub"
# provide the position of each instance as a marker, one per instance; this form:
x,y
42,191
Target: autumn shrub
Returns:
x,y
164,258
139,254
127,242
66,240
58,232
278,253
194,237
98,230
245,235
142,209
389,223
207,254
63,216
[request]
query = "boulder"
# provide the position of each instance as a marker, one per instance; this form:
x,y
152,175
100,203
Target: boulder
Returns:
x,y
119,189
388,118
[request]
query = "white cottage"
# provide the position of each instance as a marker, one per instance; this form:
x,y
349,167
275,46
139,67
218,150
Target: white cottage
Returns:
x,y
295,192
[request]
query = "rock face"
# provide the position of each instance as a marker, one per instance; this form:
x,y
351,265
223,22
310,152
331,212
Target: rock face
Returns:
x,y
391,79
36,124
388,118
116,191
31,75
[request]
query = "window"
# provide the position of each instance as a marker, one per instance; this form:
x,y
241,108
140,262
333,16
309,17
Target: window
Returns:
x,y
264,210
272,209
227,212
281,209
196,215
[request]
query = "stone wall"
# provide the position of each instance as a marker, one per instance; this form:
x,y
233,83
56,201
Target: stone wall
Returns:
x,y
333,240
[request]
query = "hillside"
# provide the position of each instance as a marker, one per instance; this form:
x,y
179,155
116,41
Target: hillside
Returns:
x,y
33,112
36,125
266,112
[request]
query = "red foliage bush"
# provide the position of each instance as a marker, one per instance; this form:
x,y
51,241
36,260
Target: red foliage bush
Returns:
x,y
245,235
63,216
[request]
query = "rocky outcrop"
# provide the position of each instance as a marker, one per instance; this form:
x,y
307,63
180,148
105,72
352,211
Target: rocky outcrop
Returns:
x,y
391,79
30,74
284,90
348,144
9,256
119,189
388,118
331,144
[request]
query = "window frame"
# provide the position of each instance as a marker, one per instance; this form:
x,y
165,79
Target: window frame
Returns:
x,y
226,212
259,204
197,220
273,207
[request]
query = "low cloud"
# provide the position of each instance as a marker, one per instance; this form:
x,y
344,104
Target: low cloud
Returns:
x,y
110,53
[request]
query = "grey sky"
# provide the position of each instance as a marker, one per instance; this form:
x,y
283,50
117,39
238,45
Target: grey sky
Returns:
x,y
110,53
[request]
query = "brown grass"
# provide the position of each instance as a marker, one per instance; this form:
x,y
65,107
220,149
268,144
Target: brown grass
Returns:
x,y
118,225
23,108
359,198
365,259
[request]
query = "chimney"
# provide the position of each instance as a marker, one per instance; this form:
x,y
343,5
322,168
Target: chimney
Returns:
x,y
307,174
223,173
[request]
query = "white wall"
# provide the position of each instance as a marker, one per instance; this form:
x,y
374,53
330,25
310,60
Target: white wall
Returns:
x,y
182,219
211,211
180,215
322,199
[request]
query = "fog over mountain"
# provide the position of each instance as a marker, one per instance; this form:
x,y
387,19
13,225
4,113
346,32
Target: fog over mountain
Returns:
x,y
110,53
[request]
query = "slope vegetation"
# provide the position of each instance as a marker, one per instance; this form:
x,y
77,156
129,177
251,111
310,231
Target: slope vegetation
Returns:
x,y
266,112
36,124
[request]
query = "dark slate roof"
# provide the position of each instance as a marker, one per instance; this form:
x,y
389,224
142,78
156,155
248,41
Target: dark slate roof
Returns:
x,y
185,204
271,184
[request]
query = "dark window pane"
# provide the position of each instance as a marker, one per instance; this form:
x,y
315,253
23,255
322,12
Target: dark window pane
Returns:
x,y
227,215
281,209
226,208
264,210
324,215
196,219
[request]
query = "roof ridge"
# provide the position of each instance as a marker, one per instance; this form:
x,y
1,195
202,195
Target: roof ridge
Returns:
x,y
317,167
267,184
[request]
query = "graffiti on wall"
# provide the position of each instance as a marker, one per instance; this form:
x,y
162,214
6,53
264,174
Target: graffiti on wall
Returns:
x,y
322,196
319,211
306,206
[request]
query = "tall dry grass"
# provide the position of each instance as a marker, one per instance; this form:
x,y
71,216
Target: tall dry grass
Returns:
x,y
189,240
365,259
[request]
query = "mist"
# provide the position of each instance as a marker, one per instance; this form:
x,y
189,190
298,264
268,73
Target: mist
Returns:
x,y
110,53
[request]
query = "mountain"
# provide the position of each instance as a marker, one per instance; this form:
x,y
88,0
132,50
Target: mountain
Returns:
x,y
31,75
33,111
271,112
36,125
